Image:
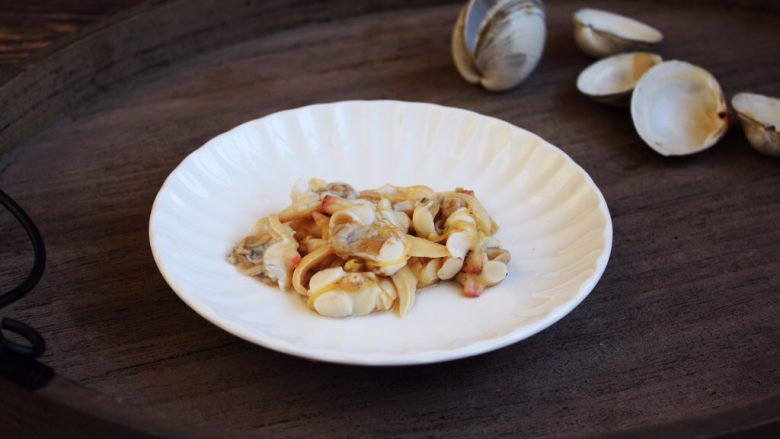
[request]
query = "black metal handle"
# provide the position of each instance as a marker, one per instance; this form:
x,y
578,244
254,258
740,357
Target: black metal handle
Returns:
x,y
36,347
17,360
38,248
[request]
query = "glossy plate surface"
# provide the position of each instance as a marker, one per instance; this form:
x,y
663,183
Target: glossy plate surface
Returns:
x,y
553,220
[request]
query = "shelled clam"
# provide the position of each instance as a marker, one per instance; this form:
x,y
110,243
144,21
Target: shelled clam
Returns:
x,y
679,109
612,79
760,117
600,33
498,43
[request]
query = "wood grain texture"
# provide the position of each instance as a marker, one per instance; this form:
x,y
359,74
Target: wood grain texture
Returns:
x,y
682,326
30,25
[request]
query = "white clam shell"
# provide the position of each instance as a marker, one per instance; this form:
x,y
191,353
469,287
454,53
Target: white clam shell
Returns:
x,y
601,33
679,109
612,79
498,43
760,117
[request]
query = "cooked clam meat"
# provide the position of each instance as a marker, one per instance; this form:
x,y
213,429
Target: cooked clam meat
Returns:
x,y
353,253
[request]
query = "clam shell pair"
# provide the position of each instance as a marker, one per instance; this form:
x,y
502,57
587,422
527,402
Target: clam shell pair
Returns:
x,y
605,34
498,43
677,108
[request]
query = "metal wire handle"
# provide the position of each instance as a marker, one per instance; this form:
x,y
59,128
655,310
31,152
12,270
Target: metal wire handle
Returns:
x,y
37,345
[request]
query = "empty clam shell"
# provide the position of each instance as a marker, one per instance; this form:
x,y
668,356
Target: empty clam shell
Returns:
x,y
612,79
679,109
601,33
760,116
498,43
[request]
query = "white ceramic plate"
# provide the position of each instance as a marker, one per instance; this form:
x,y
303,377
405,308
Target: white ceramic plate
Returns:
x,y
552,216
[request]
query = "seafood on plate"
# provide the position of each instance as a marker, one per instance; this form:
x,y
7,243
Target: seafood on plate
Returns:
x,y
354,252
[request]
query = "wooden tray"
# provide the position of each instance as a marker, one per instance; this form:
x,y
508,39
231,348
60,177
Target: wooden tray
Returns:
x,y
680,338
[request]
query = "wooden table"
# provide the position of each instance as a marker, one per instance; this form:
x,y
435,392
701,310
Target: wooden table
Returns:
x,y
680,338
30,25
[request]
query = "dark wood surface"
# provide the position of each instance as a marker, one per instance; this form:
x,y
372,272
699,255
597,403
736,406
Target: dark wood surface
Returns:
x,y
681,332
30,25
